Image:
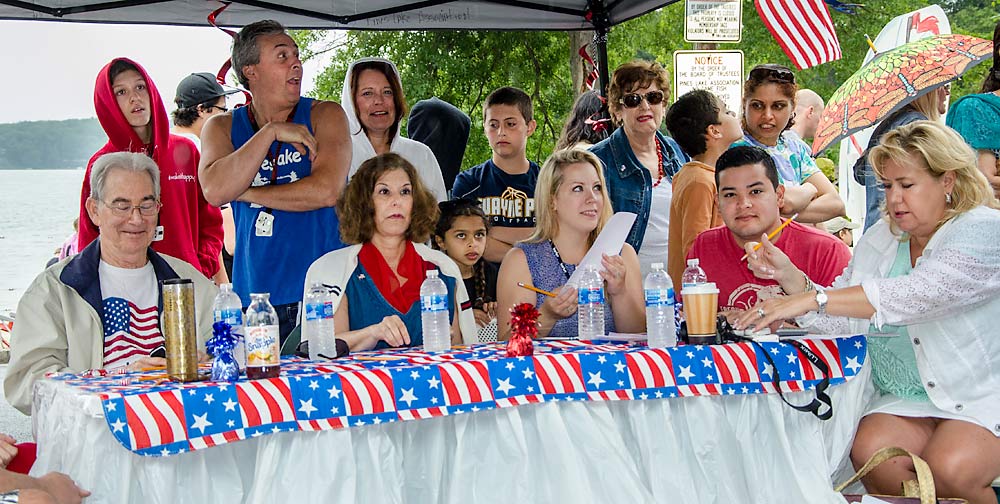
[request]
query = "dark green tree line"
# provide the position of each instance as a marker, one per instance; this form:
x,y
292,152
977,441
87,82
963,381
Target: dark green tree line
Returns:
x,y
462,67
49,144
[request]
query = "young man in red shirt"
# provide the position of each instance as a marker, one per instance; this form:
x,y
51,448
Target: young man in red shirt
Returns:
x,y
750,196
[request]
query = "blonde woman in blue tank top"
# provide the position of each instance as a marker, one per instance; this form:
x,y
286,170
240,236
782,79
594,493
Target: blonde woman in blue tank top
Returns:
x,y
572,206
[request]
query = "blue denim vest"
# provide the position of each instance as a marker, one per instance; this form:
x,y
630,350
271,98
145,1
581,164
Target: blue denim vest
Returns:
x,y
629,183
366,306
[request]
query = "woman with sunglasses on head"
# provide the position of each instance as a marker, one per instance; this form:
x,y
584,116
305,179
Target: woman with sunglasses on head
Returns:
x,y
639,161
768,105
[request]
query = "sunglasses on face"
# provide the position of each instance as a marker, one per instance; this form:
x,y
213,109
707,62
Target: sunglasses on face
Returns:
x,y
633,100
771,72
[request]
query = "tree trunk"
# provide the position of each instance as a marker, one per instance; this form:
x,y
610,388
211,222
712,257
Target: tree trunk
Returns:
x,y
576,64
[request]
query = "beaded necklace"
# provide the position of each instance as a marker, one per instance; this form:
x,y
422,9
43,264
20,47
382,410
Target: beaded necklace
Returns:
x,y
659,163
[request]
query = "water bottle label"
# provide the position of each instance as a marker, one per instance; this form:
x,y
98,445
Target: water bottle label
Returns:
x,y
659,297
434,303
317,311
231,316
262,345
590,296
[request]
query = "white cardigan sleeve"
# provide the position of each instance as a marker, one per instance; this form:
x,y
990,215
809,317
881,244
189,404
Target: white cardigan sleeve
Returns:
x,y
829,324
961,271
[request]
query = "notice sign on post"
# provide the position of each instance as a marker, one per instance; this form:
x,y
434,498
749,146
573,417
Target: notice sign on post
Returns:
x,y
720,72
713,20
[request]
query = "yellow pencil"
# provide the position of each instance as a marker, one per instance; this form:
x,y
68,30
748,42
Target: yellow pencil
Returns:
x,y
536,289
772,235
871,44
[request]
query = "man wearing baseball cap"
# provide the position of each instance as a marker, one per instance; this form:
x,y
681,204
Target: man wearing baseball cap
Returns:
x,y
842,228
199,96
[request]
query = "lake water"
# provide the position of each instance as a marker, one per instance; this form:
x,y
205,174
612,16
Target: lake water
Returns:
x,y
37,208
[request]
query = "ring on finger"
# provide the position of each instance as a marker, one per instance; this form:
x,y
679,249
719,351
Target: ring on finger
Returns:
x,y
760,313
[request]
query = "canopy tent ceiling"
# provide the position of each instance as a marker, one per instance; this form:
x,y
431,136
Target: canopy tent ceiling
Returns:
x,y
597,15
345,14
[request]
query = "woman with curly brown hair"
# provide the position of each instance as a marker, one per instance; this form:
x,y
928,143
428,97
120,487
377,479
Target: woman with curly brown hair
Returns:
x,y
387,214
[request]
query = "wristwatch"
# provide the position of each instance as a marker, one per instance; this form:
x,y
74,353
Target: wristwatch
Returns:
x,y
821,299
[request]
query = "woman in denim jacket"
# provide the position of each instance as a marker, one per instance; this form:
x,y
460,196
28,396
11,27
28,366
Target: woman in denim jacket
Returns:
x,y
639,161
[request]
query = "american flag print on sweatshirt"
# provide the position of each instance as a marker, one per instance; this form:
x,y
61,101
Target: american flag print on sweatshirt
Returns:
x,y
130,332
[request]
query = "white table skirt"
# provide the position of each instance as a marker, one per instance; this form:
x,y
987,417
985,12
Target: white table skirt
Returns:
x,y
735,449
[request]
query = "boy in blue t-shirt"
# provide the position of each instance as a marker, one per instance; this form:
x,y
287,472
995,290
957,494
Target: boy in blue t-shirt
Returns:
x,y
505,184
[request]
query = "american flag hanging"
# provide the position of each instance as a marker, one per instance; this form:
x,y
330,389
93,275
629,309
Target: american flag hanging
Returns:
x,y
129,331
803,29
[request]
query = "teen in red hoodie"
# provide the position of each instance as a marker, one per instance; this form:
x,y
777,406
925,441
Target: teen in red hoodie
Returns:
x,y
135,120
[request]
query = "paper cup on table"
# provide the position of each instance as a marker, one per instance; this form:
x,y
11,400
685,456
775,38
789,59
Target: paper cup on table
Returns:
x,y
701,305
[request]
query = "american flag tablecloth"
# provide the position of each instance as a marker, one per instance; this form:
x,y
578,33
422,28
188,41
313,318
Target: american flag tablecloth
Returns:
x,y
370,388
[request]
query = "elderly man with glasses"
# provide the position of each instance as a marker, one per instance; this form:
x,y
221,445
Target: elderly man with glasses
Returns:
x,y
100,309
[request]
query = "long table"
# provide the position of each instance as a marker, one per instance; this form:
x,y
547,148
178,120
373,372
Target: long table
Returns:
x,y
576,422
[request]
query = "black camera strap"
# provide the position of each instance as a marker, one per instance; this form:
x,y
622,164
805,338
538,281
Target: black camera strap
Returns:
x,y
822,398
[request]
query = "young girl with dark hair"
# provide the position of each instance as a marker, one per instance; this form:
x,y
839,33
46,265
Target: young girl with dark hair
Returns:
x,y
461,233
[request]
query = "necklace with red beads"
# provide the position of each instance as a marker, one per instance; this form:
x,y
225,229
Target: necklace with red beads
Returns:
x,y
659,163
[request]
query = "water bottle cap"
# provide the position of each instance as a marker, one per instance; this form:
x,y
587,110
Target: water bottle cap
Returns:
x,y
432,273
657,266
693,262
226,287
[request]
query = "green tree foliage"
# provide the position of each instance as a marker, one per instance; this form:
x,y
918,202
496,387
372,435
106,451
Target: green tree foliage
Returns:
x,y
463,67
49,144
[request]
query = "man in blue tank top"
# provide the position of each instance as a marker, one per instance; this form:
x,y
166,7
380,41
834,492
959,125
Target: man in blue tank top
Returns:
x,y
282,161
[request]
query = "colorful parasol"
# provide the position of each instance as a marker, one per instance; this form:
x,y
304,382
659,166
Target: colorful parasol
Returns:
x,y
895,78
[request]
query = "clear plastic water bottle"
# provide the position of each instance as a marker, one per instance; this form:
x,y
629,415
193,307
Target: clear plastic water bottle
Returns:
x,y
317,327
434,313
660,329
693,274
590,304
228,308
263,346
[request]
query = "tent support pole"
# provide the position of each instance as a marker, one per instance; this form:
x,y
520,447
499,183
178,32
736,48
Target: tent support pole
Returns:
x,y
597,14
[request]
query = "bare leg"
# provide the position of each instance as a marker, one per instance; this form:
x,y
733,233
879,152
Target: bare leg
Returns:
x,y
965,459
879,430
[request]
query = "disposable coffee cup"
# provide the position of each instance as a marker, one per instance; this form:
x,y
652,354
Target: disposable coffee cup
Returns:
x,y
701,305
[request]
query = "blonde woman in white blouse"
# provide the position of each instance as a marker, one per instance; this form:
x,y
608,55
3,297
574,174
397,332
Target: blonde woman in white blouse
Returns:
x,y
929,272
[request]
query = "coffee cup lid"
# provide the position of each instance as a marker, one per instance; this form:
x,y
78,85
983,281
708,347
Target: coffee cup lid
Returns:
x,y
703,288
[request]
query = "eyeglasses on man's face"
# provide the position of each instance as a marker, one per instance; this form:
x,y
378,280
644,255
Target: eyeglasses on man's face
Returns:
x,y
208,108
147,208
633,100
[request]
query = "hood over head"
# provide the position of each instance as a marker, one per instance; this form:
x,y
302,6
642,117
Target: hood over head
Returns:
x,y
347,97
445,129
120,134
